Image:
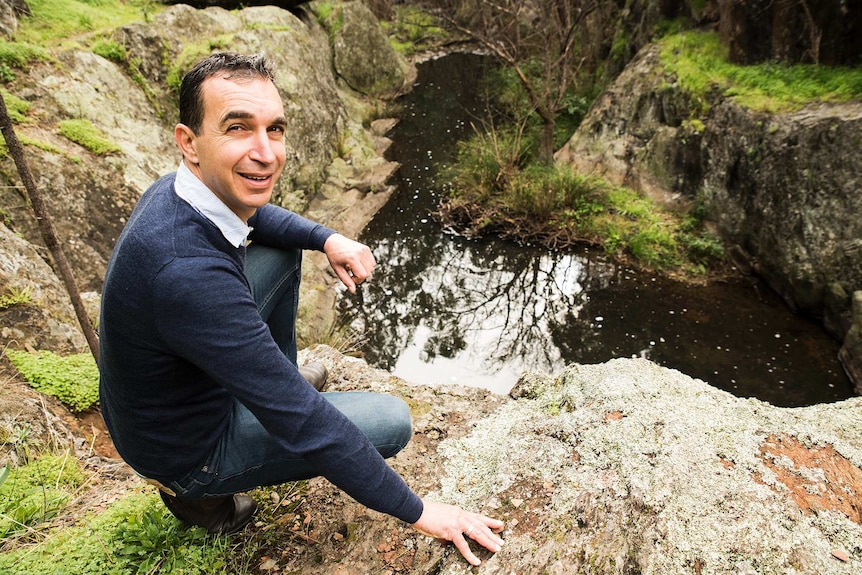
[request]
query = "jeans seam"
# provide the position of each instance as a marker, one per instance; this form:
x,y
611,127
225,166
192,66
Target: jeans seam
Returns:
x,y
276,287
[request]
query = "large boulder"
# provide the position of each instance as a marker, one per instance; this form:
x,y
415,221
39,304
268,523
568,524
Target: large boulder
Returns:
x,y
362,54
618,468
782,187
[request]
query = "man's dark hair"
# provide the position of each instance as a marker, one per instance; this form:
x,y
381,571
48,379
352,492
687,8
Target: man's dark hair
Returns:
x,y
228,65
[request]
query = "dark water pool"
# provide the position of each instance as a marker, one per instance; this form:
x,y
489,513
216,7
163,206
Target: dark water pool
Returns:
x,y
444,309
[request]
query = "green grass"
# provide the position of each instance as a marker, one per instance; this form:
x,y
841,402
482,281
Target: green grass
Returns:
x,y
73,379
36,492
58,22
701,65
498,183
135,535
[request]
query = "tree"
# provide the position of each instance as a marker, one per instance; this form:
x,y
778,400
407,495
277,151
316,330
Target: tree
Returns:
x,y
538,40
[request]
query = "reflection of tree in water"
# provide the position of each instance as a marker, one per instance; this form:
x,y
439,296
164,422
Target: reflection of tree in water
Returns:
x,y
498,303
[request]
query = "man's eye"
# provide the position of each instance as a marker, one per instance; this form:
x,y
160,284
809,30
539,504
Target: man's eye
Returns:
x,y
277,129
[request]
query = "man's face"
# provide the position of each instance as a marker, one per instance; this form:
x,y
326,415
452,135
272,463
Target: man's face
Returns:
x,y
239,153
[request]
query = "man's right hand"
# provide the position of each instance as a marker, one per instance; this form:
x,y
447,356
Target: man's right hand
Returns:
x,y
451,523
352,261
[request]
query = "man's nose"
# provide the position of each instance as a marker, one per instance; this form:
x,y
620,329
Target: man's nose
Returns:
x,y
263,148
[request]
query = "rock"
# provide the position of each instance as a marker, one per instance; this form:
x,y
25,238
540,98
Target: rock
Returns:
x,y
362,54
10,10
47,320
822,32
616,468
850,353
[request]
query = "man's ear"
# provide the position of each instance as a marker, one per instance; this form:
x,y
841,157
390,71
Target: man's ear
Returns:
x,y
185,138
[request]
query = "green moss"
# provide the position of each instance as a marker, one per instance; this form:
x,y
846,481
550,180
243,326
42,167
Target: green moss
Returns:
x,y
16,107
84,133
73,379
496,180
110,50
190,55
701,66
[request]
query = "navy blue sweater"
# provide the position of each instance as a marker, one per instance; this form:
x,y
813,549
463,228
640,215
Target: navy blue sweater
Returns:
x,y
181,339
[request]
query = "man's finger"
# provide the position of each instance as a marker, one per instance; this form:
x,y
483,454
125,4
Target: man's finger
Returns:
x,y
464,548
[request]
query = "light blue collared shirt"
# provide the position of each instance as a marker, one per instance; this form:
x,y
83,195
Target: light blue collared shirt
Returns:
x,y
189,187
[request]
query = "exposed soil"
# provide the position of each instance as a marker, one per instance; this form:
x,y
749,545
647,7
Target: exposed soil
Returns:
x,y
836,485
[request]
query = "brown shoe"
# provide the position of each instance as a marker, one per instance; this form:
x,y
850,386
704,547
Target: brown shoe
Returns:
x,y
218,515
315,373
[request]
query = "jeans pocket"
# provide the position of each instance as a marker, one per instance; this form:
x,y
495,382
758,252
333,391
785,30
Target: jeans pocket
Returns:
x,y
196,482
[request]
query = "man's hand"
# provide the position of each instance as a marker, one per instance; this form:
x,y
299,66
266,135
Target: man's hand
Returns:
x,y
352,261
453,524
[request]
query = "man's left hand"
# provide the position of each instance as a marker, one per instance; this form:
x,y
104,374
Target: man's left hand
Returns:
x,y
352,261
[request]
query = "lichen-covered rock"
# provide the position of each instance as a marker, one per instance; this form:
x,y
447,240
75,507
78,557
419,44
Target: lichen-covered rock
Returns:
x,y
44,317
362,55
618,468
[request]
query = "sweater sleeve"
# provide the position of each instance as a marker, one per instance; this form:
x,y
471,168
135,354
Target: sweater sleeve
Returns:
x,y
280,228
206,315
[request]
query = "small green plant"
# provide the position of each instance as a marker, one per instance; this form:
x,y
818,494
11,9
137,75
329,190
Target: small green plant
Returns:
x,y
15,296
6,74
134,535
110,50
84,133
16,107
73,379
21,55
36,492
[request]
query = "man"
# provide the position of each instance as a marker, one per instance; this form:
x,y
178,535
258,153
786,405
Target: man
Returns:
x,y
199,384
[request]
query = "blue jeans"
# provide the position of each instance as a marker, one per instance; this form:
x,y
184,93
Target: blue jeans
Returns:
x,y
246,455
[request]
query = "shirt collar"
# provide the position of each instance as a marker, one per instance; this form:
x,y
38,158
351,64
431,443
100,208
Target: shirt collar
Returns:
x,y
202,199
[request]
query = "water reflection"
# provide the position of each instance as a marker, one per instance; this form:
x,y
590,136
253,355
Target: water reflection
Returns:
x,y
471,313
442,309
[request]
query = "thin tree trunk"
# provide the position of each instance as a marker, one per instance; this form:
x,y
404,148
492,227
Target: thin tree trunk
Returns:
x,y
46,228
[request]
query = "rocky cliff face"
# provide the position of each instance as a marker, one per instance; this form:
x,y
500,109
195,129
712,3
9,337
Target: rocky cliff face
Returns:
x,y
783,187
90,195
